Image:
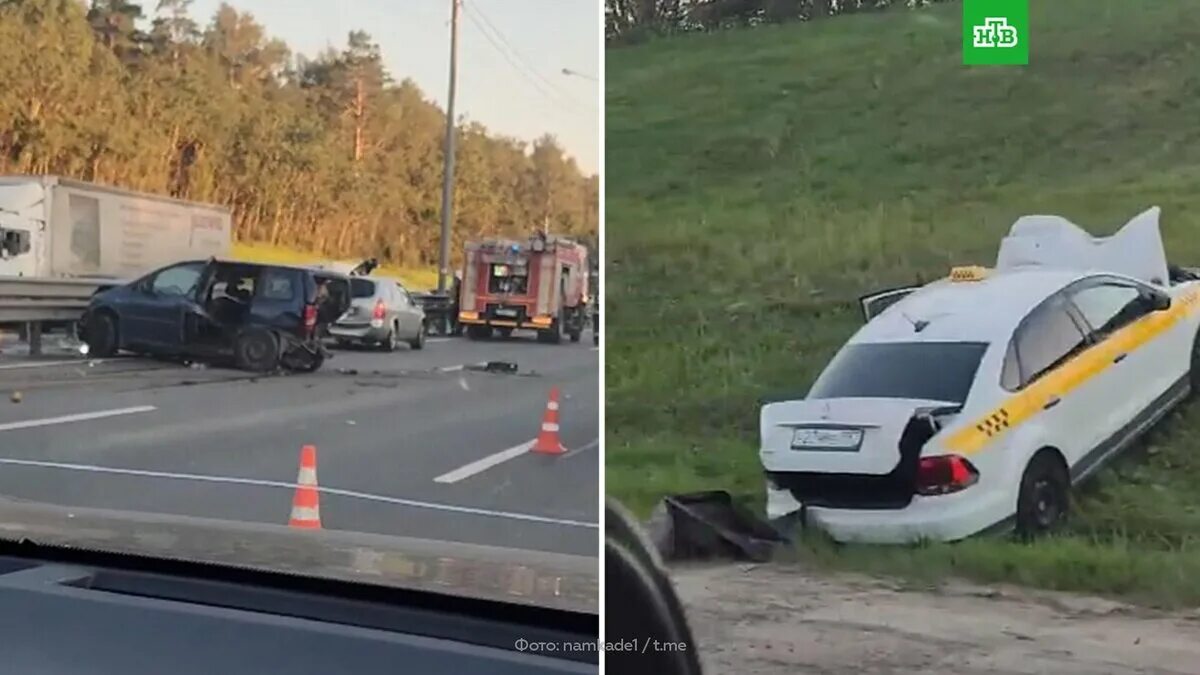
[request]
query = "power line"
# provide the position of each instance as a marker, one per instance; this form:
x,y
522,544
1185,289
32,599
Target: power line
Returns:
x,y
497,39
517,53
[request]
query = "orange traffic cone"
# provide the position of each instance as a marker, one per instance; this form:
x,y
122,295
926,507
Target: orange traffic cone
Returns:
x,y
306,509
548,442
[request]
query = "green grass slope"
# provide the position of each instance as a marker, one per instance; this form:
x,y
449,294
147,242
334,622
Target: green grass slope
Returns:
x,y
758,181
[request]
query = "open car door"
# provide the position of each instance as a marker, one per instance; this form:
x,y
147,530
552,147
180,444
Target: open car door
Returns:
x,y
873,304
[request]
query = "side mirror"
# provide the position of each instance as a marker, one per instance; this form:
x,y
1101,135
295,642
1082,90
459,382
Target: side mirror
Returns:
x,y
1160,301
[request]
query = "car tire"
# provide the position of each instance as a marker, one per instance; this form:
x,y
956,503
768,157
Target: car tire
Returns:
x,y
392,341
1044,498
256,350
419,341
102,339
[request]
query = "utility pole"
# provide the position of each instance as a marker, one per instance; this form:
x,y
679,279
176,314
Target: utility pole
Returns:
x,y
448,164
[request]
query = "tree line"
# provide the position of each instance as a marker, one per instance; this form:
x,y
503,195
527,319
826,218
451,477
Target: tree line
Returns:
x,y
328,154
630,21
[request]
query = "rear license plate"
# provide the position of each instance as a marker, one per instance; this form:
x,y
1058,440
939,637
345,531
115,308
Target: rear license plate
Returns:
x,y
506,312
837,440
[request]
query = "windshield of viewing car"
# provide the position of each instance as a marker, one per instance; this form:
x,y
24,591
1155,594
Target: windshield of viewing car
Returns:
x,y
935,371
270,368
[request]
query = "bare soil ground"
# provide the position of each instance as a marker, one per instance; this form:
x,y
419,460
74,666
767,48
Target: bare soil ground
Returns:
x,y
759,619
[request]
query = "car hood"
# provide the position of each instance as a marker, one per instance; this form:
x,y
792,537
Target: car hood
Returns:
x,y
483,572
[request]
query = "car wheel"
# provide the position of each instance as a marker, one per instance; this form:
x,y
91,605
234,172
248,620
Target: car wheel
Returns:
x,y
391,341
1044,499
102,338
419,341
256,350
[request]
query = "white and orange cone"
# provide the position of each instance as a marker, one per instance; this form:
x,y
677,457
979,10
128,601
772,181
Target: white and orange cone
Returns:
x,y
306,508
548,441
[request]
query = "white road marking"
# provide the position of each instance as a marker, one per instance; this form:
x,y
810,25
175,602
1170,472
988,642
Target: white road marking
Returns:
x,y
438,339
51,364
79,417
583,448
481,465
450,508
452,369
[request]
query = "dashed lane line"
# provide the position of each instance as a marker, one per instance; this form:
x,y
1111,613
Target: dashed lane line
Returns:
x,y
78,417
483,464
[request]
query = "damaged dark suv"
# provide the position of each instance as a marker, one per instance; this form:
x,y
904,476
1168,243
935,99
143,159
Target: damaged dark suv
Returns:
x,y
260,317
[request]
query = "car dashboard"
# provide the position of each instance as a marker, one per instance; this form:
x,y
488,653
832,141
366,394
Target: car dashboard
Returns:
x,y
67,614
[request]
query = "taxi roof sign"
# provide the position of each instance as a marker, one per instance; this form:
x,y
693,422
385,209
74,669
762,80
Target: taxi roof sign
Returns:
x,y
968,273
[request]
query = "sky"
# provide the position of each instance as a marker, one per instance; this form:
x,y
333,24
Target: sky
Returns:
x,y
512,83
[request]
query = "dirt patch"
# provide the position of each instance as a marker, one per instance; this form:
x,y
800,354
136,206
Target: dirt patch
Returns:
x,y
760,619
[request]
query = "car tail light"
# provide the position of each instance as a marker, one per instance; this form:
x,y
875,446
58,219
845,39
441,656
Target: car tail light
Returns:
x,y
310,317
944,474
380,310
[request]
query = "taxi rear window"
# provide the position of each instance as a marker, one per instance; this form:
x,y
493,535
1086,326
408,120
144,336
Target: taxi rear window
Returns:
x,y
936,371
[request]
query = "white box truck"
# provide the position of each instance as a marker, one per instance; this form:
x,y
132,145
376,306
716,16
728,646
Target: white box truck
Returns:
x,y
54,227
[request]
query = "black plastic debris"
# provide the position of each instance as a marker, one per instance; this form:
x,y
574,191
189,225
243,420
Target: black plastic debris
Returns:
x,y
504,367
708,525
347,371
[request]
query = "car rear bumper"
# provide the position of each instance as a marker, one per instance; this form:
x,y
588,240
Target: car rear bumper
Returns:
x,y
504,323
357,332
940,518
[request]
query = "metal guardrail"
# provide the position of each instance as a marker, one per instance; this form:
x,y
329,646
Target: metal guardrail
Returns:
x,y
32,301
24,300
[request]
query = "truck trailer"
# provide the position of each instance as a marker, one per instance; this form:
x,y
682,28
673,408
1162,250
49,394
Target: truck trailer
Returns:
x,y
540,284
53,227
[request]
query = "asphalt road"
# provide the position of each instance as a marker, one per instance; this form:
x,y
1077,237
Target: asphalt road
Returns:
x,y
412,443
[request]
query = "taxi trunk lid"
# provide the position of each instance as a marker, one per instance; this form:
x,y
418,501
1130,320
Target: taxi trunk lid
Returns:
x,y
848,452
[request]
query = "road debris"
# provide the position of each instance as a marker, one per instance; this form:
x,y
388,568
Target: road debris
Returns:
x,y
16,397
706,525
500,368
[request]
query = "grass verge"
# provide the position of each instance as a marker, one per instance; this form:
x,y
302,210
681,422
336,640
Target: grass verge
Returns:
x,y
758,181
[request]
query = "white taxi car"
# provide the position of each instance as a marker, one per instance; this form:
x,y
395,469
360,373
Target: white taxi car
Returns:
x,y
976,402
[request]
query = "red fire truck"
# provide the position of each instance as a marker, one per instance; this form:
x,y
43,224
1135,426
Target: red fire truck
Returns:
x,y
540,284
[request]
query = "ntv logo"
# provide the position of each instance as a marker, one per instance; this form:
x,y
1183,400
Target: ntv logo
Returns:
x,y
995,32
